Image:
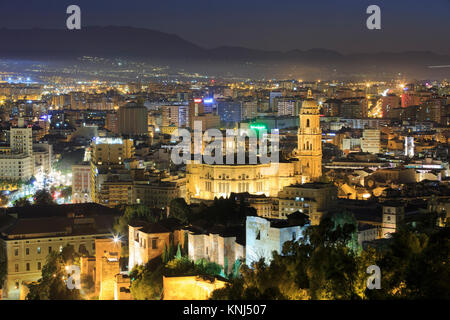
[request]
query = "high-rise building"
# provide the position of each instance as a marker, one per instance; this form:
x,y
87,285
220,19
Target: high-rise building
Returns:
x,y
272,96
21,139
106,154
196,108
112,122
249,109
331,107
43,158
208,121
111,151
287,106
230,111
81,183
175,115
133,120
388,103
17,163
352,110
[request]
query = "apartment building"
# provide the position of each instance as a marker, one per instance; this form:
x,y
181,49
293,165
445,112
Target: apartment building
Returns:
x,y
313,199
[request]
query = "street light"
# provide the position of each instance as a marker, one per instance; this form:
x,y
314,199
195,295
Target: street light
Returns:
x,y
116,239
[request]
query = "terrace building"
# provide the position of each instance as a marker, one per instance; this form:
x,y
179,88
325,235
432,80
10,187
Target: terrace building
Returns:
x,y
29,234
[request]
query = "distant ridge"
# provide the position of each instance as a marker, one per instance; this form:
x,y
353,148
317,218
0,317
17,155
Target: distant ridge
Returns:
x,y
131,42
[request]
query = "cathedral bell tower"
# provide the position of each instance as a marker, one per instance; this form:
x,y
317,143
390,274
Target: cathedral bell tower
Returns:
x,y
309,148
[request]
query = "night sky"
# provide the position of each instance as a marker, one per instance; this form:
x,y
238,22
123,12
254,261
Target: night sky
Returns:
x,y
261,24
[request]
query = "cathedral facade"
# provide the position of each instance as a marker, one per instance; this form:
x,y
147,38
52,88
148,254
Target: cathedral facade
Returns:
x,y
208,181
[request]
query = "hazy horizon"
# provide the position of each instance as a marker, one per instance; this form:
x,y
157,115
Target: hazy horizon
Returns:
x,y
407,25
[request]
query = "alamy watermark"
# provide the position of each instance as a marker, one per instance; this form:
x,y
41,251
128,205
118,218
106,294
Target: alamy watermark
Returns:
x,y
374,280
213,147
74,279
373,22
74,20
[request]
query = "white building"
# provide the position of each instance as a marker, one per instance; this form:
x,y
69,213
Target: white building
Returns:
x,y
393,216
409,147
368,232
16,167
264,236
43,158
21,139
370,142
18,162
221,248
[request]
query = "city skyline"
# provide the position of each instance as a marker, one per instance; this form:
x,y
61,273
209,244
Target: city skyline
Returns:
x,y
250,151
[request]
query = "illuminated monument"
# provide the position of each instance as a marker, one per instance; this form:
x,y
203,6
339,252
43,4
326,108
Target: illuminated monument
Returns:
x,y
309,148
207,181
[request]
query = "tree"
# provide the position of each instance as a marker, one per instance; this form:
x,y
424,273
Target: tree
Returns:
x,y
415,266
52,285
43,197
22,202
259,283
225,212
180,210
3,200
178,255
147,283
66,192
2,272
136,212
87,284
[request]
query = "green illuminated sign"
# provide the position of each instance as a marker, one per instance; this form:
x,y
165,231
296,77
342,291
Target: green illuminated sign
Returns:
x,y
258,126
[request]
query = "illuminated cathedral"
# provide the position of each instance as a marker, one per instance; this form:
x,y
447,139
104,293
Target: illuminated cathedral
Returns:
x,y
208,181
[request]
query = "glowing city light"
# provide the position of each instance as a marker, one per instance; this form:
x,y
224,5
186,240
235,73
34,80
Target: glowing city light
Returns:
x,y
258,126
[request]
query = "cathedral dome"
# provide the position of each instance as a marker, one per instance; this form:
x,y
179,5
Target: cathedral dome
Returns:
x,y
309,105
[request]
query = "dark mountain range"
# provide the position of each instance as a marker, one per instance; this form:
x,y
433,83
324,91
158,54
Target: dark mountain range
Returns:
x,y
130,42
145,44
94,41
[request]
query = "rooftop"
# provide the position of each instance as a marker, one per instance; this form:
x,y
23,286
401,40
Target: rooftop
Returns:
x,y
56,220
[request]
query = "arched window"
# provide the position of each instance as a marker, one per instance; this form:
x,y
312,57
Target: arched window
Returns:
x,y
307,123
